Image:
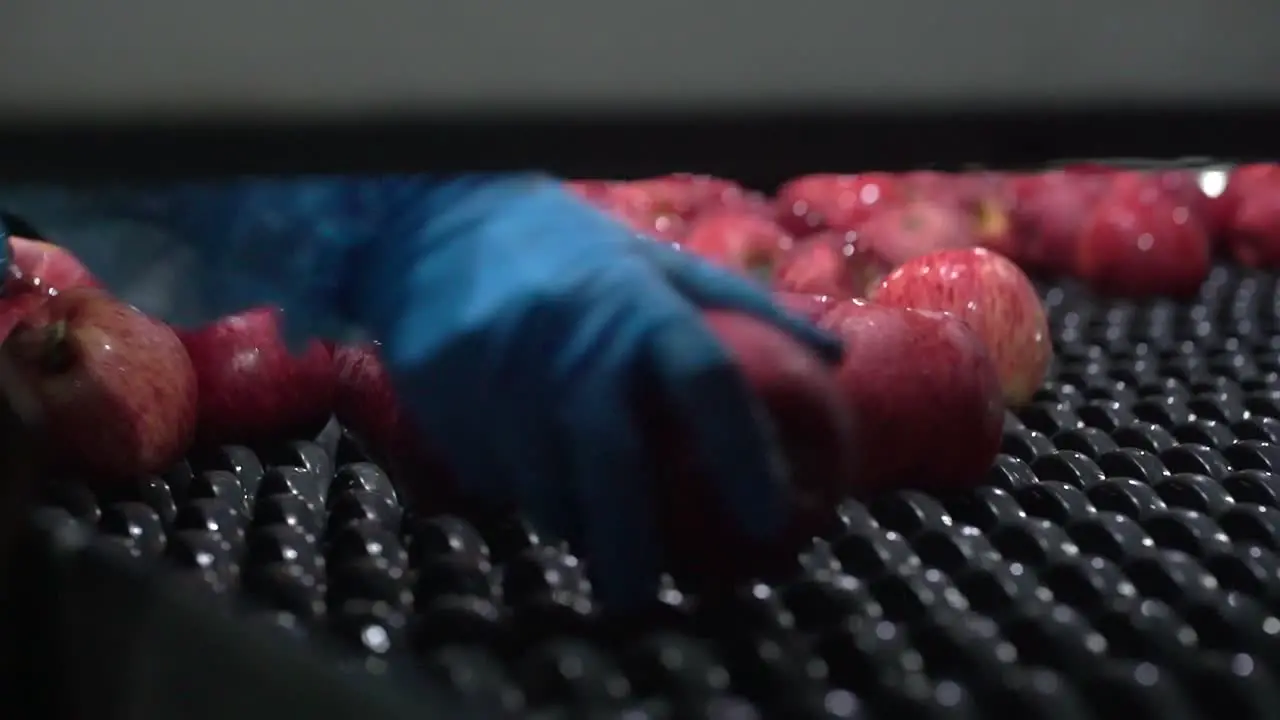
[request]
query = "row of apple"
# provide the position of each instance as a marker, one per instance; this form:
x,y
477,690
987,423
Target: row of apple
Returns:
x,y
949,339
950,333
1123,231
123,394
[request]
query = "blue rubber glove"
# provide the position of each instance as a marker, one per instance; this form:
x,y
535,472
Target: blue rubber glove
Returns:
x,y
515,322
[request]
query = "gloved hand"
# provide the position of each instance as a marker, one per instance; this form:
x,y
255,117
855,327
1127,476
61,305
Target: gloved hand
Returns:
x,y
517,320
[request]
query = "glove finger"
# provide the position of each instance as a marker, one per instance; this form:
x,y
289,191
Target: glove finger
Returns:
x,y
540,483
734,440
613,483
482,462
538,439
474,400
708,286
611,473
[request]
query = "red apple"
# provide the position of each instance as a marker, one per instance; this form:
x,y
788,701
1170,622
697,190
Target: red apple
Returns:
x,y
38,270
985,198
1049,211
366,404
663,207
830,263
593,191
916,228
363,399
1182,185
641,210
930,185
253,390
817,440
1253,230
45,267
1091,168
1139,241
961,188
747,244
16,306
813,203
810,307
925,393
695,195
117,389
990,294
989,199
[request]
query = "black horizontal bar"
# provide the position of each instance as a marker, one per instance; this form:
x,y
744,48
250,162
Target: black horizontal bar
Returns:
x,y
759,149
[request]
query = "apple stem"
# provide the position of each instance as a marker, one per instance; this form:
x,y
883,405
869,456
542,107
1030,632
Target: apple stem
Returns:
x,y
58,356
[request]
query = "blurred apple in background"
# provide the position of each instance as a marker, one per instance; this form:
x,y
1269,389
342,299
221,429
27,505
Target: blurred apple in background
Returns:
x,y
916,228
1141,241
809,307
1251,203
657,216
831,263
1049,212
813,203
748,244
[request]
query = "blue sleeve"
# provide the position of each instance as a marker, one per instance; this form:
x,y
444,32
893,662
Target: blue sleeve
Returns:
x,y
190,252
